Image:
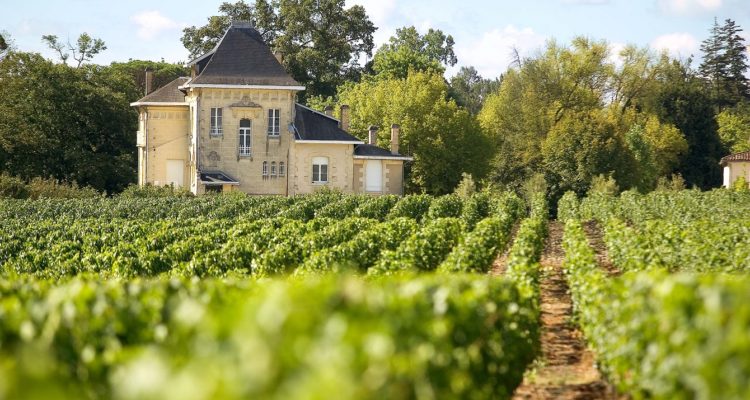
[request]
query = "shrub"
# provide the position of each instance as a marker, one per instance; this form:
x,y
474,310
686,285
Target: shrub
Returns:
x,y
149,191
51,188
13,188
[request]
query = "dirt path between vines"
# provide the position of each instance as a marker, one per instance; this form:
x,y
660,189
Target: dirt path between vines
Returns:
x,y
501,262
565,369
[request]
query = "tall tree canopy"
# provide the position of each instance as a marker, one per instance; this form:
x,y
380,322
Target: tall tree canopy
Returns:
x,y
408,50
321,41
470,89
725,64
84,50
64,123
570,114
444,138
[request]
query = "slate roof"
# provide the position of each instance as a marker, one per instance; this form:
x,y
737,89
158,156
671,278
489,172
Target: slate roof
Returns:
x,y
369,150
312,125
241,58
168,93
744,156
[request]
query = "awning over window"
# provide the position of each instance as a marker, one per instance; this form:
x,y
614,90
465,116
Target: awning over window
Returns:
x,y
217,178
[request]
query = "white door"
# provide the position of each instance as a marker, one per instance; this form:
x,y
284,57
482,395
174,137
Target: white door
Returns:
x,y
727,174
175,173
373,176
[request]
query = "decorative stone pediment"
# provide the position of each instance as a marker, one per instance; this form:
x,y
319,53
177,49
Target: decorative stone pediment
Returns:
x,y
246,108
245,102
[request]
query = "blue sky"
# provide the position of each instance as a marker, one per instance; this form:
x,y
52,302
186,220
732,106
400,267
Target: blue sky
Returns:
x,y
485,31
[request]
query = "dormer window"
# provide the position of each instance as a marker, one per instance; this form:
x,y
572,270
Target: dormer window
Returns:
x,y
274,122
216,121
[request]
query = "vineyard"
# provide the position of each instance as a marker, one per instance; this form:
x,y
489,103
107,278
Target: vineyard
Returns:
x,y
345,296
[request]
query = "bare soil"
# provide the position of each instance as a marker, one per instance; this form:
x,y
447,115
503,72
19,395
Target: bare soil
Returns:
x,y
566,368
501,262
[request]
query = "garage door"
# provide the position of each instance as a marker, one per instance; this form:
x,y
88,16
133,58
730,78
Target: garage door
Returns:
x,y
176,173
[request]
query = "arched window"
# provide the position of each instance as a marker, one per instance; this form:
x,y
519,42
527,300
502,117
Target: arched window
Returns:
x,y
246,137
282,169
273,168
320,170
265,168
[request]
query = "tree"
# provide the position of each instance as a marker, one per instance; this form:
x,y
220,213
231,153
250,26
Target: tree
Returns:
x,y
131,75
444,138
64,123
680,99
320,40
581,146
734,128
724,65
408,50
470,89
85,49
6,44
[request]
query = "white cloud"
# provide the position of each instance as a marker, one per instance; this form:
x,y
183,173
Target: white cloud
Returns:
x,y
676,44
492,53
688,6
614,53
152,23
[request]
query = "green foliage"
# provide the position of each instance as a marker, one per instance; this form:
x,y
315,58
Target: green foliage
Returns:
x,y
377,207
467,187
151,191
603,185
84,50
475,209
734,128
523,257
64,123
567,207
444,139
724,64
480,247
107,339
470,89
423,251
663,324
740,185
413,206
12,187
449,205
132,75
674,183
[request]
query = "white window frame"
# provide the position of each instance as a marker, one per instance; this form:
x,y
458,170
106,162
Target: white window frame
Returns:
x,y
246,132
273,169
217,119
320,173
274,122
265,168
282,168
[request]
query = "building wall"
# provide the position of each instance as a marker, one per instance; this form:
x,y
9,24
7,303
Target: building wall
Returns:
x,y
222,152
736,170
394,178
165,135
358,176
340,167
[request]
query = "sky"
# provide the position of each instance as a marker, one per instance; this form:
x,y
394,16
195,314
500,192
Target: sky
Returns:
x,y
485,31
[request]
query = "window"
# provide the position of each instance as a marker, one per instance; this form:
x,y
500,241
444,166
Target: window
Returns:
x,y
273,122
273,168
216,122
265,168
246,137
282,169
320,170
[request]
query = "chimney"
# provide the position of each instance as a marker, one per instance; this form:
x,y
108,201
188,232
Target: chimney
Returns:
x,y
279,56
344,118
395,133
373,135
149,81
328,111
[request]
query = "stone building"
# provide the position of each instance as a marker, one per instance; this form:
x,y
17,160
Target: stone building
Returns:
x,y
234,124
